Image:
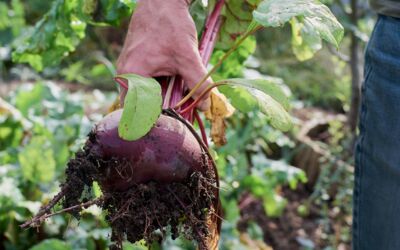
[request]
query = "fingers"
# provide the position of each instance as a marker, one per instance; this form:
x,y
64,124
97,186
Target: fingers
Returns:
x,y
193,71
131,62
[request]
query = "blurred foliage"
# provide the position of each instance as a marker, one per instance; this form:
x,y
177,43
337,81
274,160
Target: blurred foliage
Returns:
x,y
42,125
323,80
63,27
243,164
333,192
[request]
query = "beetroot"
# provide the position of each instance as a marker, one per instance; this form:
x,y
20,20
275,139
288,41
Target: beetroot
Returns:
x,y
168,153
166,179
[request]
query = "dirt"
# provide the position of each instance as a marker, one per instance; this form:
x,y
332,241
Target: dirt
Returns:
x,y
143,211
290,231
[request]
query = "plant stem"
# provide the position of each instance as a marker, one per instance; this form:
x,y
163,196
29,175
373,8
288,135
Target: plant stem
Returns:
x,y
121,82
211,29
216,66
168,93
202,95
206,53
201,126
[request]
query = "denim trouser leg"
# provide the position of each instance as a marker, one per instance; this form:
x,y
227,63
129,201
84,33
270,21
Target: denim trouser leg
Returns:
x,y
376,223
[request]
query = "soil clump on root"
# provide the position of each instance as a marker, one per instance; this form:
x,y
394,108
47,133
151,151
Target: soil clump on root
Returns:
x,y
164,180
144,210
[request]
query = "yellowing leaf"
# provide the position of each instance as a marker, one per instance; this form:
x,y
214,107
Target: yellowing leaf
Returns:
x,y
115,105
219,110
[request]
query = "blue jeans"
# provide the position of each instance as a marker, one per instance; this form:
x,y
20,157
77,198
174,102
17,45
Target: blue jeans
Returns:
x,y
376,222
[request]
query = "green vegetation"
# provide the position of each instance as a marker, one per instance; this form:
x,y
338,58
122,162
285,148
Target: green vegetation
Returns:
x,y
56,82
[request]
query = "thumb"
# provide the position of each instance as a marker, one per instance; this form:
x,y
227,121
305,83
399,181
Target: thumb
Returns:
x,y
192,72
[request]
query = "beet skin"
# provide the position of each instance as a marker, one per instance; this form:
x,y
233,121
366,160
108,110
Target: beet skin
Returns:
x,y
168,153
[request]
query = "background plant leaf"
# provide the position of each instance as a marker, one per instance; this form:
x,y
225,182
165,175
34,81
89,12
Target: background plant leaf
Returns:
x,y
269,86
274,13
37,160
53,244
237,16
270,98
305,40
63,27
142,107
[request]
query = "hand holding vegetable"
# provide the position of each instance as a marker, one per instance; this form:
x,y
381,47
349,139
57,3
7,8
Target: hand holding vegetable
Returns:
x,y
162,41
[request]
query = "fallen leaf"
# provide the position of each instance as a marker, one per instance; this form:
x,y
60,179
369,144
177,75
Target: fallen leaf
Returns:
x,y
220,109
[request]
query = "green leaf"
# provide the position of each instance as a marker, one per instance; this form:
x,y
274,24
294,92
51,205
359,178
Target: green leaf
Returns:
x,y
30,96
37,160
142,107
12,20
12,126
63,27
270,98
274,13
239,98
237,18
97,190
305,40
198,12
135,246
10,195
53,244
113,11
271,86
233,66
274,204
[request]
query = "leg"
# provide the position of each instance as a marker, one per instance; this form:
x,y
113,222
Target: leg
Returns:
x,y
376,222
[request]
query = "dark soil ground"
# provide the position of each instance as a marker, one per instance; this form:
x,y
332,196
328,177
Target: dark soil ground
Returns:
x,y
290,231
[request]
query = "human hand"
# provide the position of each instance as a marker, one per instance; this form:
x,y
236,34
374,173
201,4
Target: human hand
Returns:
x,y
162,41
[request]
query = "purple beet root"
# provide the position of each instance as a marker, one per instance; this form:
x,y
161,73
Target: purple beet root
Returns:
x,y
166,179
168,153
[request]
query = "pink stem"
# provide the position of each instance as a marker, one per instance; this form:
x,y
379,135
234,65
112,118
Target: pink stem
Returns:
x,y
192,105
121,82
177,91
201,126
166,91
206,46
211,29
208,51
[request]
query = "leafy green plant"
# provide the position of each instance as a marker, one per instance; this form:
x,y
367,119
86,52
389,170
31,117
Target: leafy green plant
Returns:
x,y
63,27
42,125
